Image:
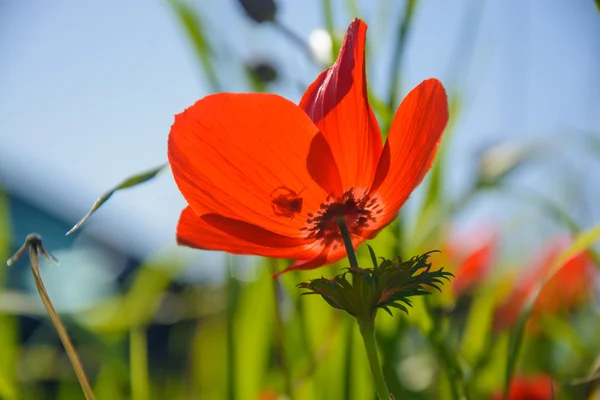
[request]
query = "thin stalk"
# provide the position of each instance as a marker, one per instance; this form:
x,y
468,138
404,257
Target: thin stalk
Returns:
x,y
34,243
400,46
446,355
367,331
347,241
297,40
349,359
279,334
138,355
233,289
365,324
305,335
327,10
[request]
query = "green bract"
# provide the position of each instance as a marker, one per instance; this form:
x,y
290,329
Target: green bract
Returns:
x,y
389,284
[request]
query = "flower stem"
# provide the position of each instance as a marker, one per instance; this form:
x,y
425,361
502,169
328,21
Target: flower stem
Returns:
x,y
341,221
33,242
366,324
279,334
367,331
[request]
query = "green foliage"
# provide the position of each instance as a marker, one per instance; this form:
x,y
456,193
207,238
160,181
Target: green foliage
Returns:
x,y
8,324
256,338
581,243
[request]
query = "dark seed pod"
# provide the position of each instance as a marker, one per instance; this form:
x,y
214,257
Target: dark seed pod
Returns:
x,y
259,10
263,71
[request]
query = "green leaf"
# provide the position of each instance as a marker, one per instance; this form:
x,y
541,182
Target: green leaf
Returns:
x,y
252,335
138,354
353,9
327,10
127,183
583,241
192,25
514,347
8,324
398,52
373,256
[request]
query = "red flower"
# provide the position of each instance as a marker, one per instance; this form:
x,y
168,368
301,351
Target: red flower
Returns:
x,y
473,257
568,287
264,176
539,387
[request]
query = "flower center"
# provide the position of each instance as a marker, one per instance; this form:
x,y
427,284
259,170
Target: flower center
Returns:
x,y
359,210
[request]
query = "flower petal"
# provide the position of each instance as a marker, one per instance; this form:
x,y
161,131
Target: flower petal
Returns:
x,y
246,157
329,254
474,268
410,148
338,104
570,285
215,232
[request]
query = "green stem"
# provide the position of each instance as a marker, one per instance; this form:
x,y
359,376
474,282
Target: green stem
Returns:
x,y
58,325
399,48
279,334
366,324
233,289
138,354
446,355
297,40
341,221
349,359
367,331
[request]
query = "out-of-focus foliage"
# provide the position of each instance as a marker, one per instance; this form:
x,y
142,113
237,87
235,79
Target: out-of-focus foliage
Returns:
x,y
511,321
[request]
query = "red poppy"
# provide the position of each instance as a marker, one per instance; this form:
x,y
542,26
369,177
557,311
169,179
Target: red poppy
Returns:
x,y
539,387
569,286
473,257
264,176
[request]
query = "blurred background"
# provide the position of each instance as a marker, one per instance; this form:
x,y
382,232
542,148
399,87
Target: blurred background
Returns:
x,y
87,97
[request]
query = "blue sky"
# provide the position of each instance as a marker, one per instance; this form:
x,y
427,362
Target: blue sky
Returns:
x,y
89,90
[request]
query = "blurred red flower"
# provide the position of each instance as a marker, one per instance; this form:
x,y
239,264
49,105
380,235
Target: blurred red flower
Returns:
x,y
571,285
268,394
538,387
264,176
472,257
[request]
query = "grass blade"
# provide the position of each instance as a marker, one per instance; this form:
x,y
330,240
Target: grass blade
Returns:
x,y
138,351
192,25
127,183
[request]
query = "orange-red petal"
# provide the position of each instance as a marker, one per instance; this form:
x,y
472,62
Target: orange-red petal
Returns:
x,y
215,232
474,268
329,254
411,146
538,387
568,287
338,104
243,156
